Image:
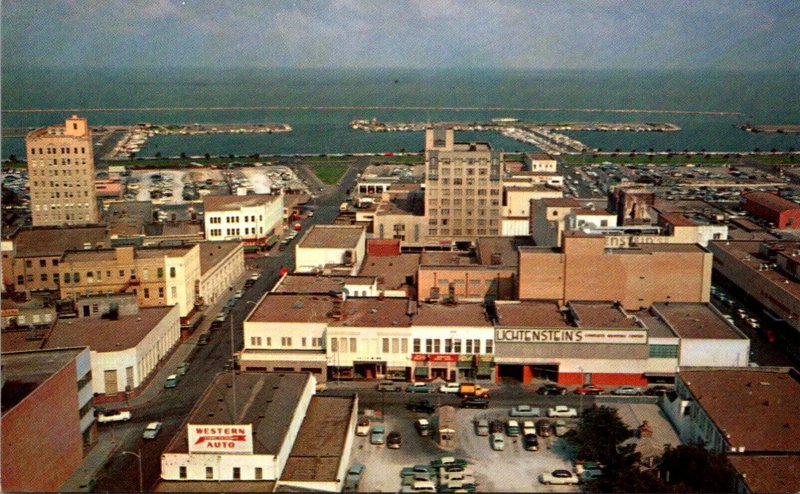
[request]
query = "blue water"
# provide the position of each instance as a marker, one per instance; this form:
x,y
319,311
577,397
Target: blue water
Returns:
x,y
761,97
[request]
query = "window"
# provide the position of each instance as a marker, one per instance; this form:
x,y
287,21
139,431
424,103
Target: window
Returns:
x,y
286,341
209,473
428,346
121,273
663,351
334,344
457,346
42,263
160,292
174,292
172,272
416,346
477,344
259,474
76,277
353,345
237,473
489,346
385,345
67,278
404,345
43,277
21,279
159,273
146,293
395,345
448,346
469,346
269,341
437,346
182,472
255,341
28,263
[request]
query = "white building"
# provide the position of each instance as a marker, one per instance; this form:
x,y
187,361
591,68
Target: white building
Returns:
x,y
124,351
331,248
540,162
517,198
253,218
221,264
274,430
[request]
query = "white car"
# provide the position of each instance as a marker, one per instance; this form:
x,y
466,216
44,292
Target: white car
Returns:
x,y
528,427
562,411
451,388
497,441
560,477
107,416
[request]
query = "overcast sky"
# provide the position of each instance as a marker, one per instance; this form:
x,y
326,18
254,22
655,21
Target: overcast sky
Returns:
x,y
403,33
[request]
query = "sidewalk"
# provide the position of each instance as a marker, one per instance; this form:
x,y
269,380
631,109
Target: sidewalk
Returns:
x,y
109,438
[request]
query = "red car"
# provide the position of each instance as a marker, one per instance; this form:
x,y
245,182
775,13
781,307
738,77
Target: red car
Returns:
x,y
590,389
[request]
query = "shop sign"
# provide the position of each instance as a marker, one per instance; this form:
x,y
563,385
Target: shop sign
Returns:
x,y
465,358
507,335
443,357
9,312
418,357
218,438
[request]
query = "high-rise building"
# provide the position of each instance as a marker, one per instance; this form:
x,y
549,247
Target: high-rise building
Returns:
x,y
463,185
61,174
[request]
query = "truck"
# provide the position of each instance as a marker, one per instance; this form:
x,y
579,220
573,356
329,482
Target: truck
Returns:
x,y
472,389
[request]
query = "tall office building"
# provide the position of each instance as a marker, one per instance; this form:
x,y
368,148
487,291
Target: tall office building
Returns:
x,y
463,187
61,174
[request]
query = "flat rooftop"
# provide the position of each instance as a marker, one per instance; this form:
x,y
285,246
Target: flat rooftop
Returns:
x,y
656,326
106,335
212,253
451,315
602,315
360,312
697,320
747,252
507,247
774,202
54,241
109,255
757,407
24,371
332,237
319,446
234,203
268,401
457,258
310,283
392,272
531,314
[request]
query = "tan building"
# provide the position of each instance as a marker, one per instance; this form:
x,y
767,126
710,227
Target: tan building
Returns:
x,y
548,219
32,263
584,269
157,276
221,264
61,174
400,215
463,185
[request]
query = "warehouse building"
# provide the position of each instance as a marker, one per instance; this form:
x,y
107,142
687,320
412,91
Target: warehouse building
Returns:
x,y
782,213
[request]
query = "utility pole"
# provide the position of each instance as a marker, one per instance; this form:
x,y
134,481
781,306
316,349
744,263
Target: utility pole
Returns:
x,y
139,458
233,369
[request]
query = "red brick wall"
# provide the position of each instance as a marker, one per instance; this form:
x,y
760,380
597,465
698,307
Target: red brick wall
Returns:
x,y
42,444
601,379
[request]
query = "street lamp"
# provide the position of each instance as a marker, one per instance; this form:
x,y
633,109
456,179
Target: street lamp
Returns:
x,y
138,457
580,399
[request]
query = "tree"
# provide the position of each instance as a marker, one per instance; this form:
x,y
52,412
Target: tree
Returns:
x,y
158,154
208,156
12,158
599,435
183,155
692,468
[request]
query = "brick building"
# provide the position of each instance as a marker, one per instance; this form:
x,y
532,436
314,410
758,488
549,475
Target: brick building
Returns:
x,y
781,212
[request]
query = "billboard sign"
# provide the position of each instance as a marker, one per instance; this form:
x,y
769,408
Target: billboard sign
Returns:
x,y
220,438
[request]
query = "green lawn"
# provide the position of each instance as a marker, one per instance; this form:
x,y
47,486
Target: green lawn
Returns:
x,y
399,159
678,159
328,173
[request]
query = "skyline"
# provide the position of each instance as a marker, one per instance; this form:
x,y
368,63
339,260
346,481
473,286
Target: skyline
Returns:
x,y
414,34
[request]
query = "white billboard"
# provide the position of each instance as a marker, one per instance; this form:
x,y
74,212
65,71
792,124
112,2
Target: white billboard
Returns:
x,y
617,336
220,438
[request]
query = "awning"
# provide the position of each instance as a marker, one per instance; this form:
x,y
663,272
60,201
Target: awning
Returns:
x,y
420,372
485,368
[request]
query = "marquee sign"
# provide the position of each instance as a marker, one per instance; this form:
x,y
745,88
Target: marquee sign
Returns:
x,y
508,335
219,438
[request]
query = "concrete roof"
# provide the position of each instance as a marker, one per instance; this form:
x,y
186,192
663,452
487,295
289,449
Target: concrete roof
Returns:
x,y
215,486
359,312
309,283
435,258
54,241
531,314
234,203
757,407
506,246
773,202
451,315
105,335
139,253
319,446
697,320
602,315
560,202
747,253
677,219
539,156
24,371
656,326
331,237
768,474
391,271
211,253
268,401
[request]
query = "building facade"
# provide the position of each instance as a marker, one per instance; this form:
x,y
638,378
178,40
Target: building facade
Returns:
x,y
61,174
331,248
252,219
782,213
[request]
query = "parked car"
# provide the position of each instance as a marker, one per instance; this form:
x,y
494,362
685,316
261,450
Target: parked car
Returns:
x,y
219,320
378,435
152,430
474,402
419,486
562,411
524,411
204,339
418,469
255,277
423,426
497,442
228,365
353,477
172,381
560,477
419,388
544,428
388,386
422,406
627,391
394,440
657,390
239,294
183,368
108,416
512,428
530,442
590,389
452,388
551,389
417,477
561,427
450,461
362,427
482,427
528,427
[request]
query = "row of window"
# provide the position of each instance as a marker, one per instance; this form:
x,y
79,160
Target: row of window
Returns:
x,y
286,341
53,172
64,150
458,231
236,473
91,275
234,219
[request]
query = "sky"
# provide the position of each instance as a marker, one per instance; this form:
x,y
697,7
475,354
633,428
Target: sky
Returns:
x,y
515,34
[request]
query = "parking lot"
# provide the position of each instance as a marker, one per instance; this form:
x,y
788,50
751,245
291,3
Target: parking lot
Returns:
x,y
511,470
